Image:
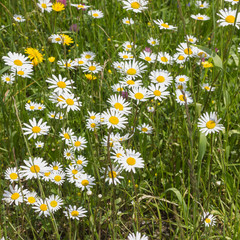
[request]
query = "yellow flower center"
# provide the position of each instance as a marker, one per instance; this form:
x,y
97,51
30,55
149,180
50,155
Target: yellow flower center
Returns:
x,y
68,154
160,79
32,107
79,161
119,89
118,106
118,155
165,25
13,176
68,65
43,207
80,6
15,196
230,19
181,79
127,22
113,120
93,125
164,59
112,174
92,68
182,98
92,117
69,101
53,203
157,93
88,56
57,178
44,5
131,161
66,135
74,213
180,87
201,5
131,71
153,42
31,200
95,15
139,96
35,169
85,182
135,5
148,59
125,56
181,58
47,174
7,79
144,129
77,144
80,62
61,84
20,72
55,168
130,82
207,88
208,220
210,124
188,51
58,39
200,18
18,62
36,129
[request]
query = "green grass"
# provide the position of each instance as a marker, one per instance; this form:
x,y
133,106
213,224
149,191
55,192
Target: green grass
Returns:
x,y
185,172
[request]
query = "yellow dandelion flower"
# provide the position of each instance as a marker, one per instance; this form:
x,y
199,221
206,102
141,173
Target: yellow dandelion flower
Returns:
x,y
66,40
58,7
207,64
51,59
90,77
34,55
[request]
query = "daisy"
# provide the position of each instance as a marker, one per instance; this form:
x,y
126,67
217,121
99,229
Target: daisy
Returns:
x,y
15,60
31,106
73,212
164,58
153,41
35,128
58,177
54,203
85,181
208,88
92,67
12,175
186,50
93,116
150,109
120,104
67,135
137,236
208,123
113,118
118,87
111,141
78,143
200,17
80,161
39,144
80,61
118,65
161,77
180,86
56,98
133,69
131,160
113,176
92,125
60,85
70,102
8,78
69,153
128,82
128,21
71,172
191,39
182,79
209,219
136,6
202,4
201,54
148,57
56,166
40,106
163,25
95,13
140,94
180,98
15,195
47,176
89,56
67,64
145,128
19,18
24,72
117,153
228,17
55,38
45,5
180,58
158,92
128,46
232,1
80,6
30,198
34,168
41,207
60,116
125,55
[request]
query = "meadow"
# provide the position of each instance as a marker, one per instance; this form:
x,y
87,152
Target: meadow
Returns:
x,y
119,119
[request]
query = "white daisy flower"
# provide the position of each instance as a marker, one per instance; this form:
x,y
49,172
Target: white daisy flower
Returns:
x,y
180,58
91,67
164,58
89,56
73,212
208,123
129,82
137,236
60,84
70,102
69,153
58,177
128,21
80,61
80,6
228,17
30,198
19,18
202,4
136,6
111,141
209,219
180,98
15,60
120,104
55,38
140,94
16,195
41,207
186,50
56,166
72,170
162,25
35,128
67,64
78,143
24,72
131,160
191,39
112,176
40,106
12,174
182,79
8,78
148,57
153,41
85,181
158,92
207,87
200,17
125,55
31,106
162,77
117,153
95,13
45,5
150,109
145,128
54,203
67,135
133,69
92,125
118,65
128,46
80,161
118,87
39,144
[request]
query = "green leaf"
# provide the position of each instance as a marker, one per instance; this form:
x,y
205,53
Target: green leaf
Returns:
x,y
4,69
202,146
216,59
